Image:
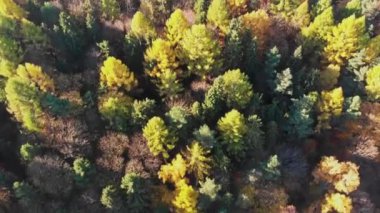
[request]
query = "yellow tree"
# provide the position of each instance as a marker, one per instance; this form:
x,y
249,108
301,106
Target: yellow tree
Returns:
x,y
302,15
34,74
200,51
185,200
320,27
218,15
337,202
115,75
237,7
372,50
142,27
258,22
173,172
373,83
176,26
346,39
330,104
198,160
11,9
158,137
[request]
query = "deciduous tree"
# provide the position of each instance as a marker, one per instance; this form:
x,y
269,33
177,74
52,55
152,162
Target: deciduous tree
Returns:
x,y
115,75
176,27
218,15
373,83
198,161
142,27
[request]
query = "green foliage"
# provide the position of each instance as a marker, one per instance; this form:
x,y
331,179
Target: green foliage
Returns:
x,y
55,105
233,128
178,118
110,198
117,109
352,106
83,169
218,15
255,136
142,111
234,51
91,20
134,52
28,151
200,8
320,7
104,48
10,49
284,82
273,58
353,7
137,192
49,14
110,9
23,191
176,26
157,10
271,168
3,97
160,140
200,51
300,121
205,136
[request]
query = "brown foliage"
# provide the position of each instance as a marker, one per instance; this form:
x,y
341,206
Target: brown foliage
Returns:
x,y
113,144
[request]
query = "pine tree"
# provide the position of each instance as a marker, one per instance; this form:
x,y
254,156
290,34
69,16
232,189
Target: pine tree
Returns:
x,y
233,52
198,161
11,9
116,109
372,83
110,198
200,51
115,75
353,7
168,84
82,170
142,27
160,140
137,192
284,82
110,9
29,151
218,15
272,60
233,128
71,34
346,38
186,198
173,172
36,76
176,27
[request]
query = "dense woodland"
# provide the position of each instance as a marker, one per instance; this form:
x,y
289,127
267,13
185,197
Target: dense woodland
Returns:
x,y
268,106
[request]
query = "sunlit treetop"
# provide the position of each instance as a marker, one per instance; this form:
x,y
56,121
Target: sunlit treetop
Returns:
x,y
115,75
218,15
176,26
11,9
142,27
36,76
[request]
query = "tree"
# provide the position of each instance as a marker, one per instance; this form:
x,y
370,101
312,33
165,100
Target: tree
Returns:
x,y
28,151
137,192
157,10
320,7
200,51
346,38
36,77
83,169
284,82
186,198
218,15
198,160
237,7
209,188
343,176
372,80
353,7
329,104
320,27
258,22
110,198
233,52
271,168
178,119
205,136
71,35
160,140
336,202
176,26
11,9
301,15
273,59
200,9
328,77
142,27
169,85
115,75
110,9
159,58
173,172
117,109
233,128
142,111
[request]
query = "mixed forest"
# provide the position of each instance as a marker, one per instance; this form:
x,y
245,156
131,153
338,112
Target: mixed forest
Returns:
x,y
267,106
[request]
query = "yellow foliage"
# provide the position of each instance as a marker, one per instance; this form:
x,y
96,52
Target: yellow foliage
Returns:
x,y
159,58
373,83
373,51
198,160
302,15
345,39
176,26
142,27
35,76
337,202
237,7
11,9
174,171
218,15
116,75
186,198
329,77
330,104
344,176
258,22
321,26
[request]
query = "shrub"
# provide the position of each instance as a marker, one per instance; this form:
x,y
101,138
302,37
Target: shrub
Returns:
x,y
198,160
28,151
115,75
83,169
173,172
200,51
372,80
110,9
141,27
218,15
158,136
